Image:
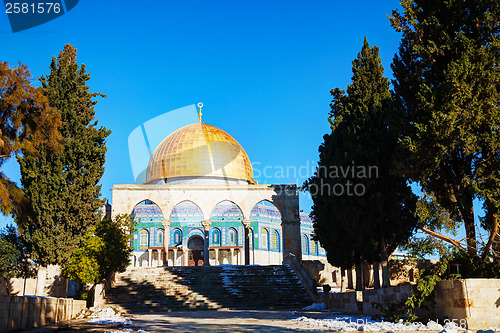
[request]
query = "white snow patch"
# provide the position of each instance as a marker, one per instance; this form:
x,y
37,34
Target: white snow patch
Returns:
x,y
316,307
363,323
228,271
104,316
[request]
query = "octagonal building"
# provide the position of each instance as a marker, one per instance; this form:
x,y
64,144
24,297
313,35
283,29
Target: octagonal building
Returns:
x,y
200,205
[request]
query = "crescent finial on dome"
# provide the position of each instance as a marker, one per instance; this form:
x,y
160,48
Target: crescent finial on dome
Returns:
x,y
200,105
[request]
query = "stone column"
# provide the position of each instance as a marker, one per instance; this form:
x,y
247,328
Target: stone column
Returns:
x,y
166,238
174,258
206,227
216,256
184,255
291,238
160,260
246,241
287,201
150,257
232,256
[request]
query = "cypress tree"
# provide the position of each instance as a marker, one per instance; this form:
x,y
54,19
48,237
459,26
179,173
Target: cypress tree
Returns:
x,y
378,214
63,187
447,78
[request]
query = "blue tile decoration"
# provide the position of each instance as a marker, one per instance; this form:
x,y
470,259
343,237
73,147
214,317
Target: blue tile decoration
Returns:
x,y
186,217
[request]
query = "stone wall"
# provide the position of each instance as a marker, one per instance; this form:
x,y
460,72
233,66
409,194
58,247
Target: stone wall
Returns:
x,y
348,302
471,303
477,301
18,313
384,296
48,282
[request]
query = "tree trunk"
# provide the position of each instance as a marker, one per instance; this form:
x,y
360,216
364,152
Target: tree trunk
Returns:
x,y
384,262
359,275
467,213
367,281
350,284
493,234
376,276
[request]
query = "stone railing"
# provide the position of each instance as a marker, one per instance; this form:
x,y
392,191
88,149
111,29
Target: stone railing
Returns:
x,y
309,283
19,313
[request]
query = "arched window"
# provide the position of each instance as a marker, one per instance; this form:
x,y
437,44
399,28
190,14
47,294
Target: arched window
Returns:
x,y
275,245
159,236
265,239
232,237
314,248
305,245
216,237
177,237
143,239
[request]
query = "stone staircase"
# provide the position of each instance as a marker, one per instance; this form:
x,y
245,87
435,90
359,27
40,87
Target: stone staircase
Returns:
x,y
159,289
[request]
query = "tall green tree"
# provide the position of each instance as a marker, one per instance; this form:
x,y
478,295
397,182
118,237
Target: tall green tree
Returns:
x,y
63,187
28,121
447,77
363,208
106,249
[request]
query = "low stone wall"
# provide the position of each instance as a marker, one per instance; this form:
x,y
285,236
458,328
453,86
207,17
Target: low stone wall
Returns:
x,y
17,313
475,301
471,303
47,282
384,296
345,302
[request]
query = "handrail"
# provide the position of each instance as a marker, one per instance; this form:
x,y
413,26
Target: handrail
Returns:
x,y
308,282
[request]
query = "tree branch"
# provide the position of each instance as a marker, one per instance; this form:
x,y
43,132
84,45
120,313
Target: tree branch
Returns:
x,y
442,237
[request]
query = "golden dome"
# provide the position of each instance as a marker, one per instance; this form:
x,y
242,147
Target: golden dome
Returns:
x,y
199,150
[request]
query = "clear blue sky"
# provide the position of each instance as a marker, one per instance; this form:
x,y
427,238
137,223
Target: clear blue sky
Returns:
x,y
263,69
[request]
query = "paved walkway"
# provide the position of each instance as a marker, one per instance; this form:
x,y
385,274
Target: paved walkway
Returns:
x,y
218,321
197,321
230,321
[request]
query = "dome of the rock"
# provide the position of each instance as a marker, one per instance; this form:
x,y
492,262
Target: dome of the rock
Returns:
x,y
198,153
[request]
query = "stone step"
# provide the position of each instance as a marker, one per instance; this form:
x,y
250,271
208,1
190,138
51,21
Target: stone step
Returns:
x,y
191,288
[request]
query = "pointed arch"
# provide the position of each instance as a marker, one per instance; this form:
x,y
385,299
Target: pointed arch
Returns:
x,y
145,201
226,210
267,204
146,211
186,210
265,209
